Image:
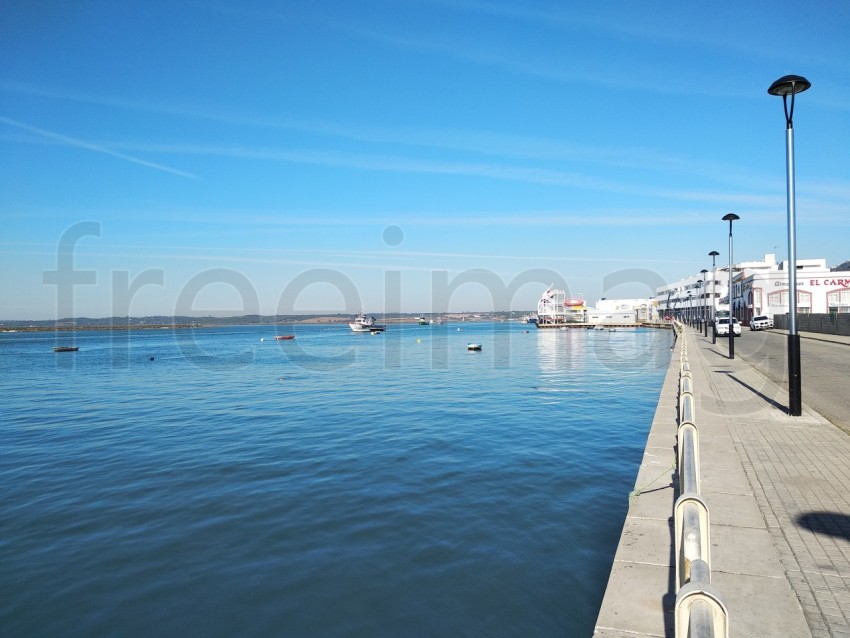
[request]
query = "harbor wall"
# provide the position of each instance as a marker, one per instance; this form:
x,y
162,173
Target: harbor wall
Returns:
x,y
639,595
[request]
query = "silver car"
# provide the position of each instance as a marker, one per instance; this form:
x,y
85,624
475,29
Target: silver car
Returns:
x,y
761,322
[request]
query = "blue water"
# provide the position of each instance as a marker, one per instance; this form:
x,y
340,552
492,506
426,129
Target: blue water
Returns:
x,y
217,482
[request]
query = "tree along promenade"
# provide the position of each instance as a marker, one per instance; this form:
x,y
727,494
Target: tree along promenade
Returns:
x,y
777,489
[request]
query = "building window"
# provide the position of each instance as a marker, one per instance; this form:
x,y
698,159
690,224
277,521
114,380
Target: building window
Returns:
x,y
779,299
838,301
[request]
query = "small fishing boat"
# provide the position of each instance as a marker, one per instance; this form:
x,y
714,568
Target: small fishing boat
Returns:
x,y
284,337
66,348
362,323
473,346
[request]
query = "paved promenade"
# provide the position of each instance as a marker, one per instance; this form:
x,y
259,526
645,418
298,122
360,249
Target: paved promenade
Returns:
x,y
778,491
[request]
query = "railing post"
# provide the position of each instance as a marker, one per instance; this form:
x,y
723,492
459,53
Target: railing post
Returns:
x,y
700,612
692,538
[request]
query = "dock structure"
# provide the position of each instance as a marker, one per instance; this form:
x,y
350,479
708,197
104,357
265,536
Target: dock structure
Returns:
x,y
555,309
777,492
591,326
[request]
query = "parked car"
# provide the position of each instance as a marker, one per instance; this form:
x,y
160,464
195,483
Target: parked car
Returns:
x,y
761,322
721,327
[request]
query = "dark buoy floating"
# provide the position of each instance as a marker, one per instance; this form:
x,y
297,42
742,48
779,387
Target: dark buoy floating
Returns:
x,y
151,358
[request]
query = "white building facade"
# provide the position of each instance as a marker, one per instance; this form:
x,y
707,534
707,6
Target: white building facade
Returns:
x,y
758,288
819,290
694,296
622,311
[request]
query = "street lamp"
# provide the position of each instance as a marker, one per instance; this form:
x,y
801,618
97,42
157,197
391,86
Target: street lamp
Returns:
x,y
713,254
785,86
690,310
731,217
702,296
695,321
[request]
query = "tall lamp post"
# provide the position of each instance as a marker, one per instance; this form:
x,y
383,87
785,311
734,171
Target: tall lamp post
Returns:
x,y
785,86
731,217
713,254
690,309
696,323
704,318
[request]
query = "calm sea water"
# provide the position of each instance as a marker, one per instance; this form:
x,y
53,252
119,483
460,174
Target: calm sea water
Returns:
x,y
217,482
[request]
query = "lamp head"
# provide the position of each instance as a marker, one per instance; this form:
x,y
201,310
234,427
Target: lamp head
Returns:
x,y
714,253
730,217
789,85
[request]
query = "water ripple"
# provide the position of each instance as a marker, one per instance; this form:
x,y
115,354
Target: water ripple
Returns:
x,y
349,486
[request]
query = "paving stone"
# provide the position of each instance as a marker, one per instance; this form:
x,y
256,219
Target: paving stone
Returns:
x,y
778,492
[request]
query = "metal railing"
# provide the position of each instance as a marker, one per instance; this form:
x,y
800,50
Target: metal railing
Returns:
x,y
700,611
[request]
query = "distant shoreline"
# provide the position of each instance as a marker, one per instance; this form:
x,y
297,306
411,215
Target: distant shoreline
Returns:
x,y
104,327
219,322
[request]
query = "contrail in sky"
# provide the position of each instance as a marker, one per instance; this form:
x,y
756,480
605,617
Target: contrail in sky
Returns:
x,y
71,141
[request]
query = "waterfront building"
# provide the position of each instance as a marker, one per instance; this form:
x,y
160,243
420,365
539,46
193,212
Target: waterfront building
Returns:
x,y
758,288
622,311
765,292
696,297
556,308
688,298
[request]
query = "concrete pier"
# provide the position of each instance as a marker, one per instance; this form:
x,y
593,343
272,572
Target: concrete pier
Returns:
x,y
778,491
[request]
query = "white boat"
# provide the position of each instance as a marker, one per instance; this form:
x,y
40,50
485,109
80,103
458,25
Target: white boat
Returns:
x,y
362,323
473,346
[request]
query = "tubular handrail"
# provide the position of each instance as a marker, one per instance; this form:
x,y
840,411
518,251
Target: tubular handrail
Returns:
x,y
686,407
688,459
700,610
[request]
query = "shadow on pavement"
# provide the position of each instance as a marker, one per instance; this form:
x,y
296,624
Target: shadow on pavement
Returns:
x,y
767,399
827,523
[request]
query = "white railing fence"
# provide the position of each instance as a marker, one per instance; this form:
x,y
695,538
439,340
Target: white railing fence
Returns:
x,y
700,611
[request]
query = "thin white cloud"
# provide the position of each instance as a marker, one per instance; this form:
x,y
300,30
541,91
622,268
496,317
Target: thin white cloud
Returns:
x,y
390,260
565,17
630,81
97,148
479,142
399,164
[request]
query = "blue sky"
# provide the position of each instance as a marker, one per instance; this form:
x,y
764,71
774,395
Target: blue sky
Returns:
x,y
233,157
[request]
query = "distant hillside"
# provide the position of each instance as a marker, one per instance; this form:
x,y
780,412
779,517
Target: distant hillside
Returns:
x,y
844,266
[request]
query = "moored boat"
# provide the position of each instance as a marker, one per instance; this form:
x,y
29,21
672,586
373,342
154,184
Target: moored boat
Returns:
x,y
473,346
284,337
66,348
362,323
